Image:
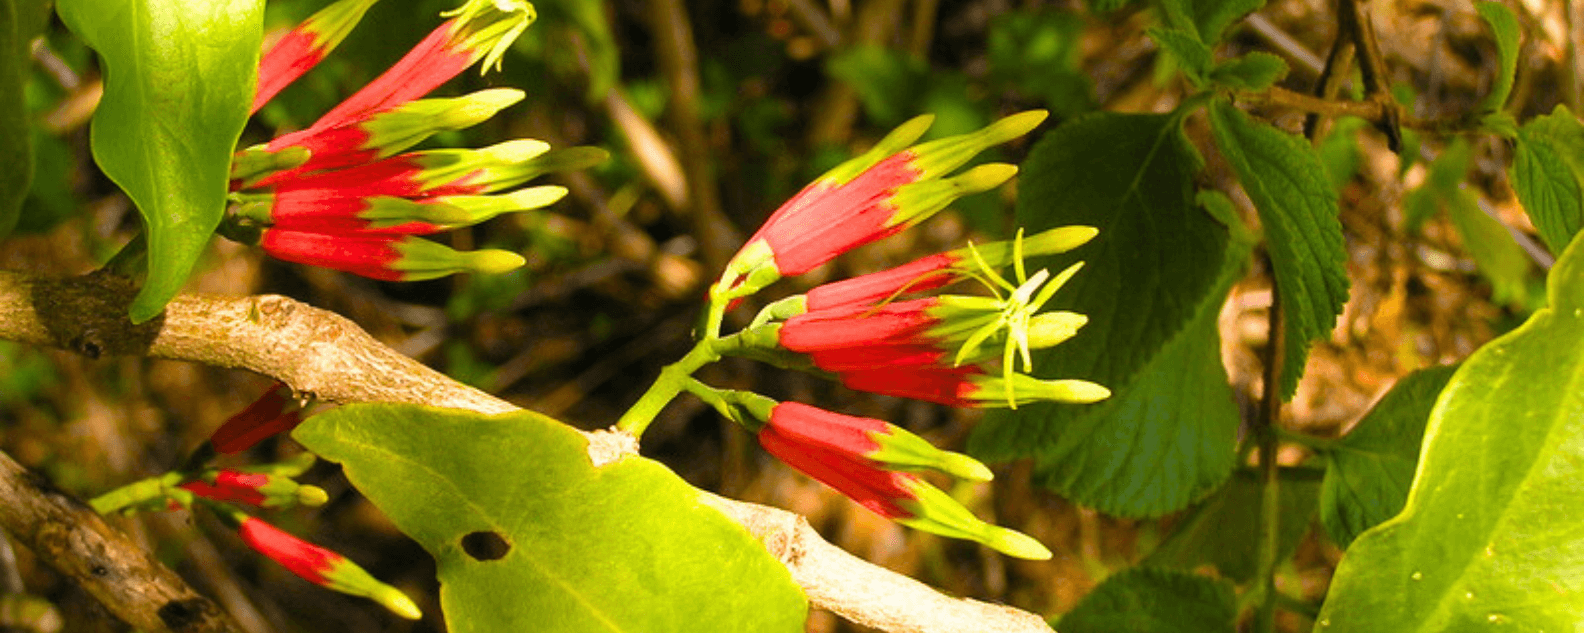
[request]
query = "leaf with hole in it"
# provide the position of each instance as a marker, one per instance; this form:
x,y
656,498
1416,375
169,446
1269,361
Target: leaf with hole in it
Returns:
x,y
1220,530
1548,175
1298,209
1153,281
1144,600
179,79
16,152
1504,25
530,536
1490,537
1369,470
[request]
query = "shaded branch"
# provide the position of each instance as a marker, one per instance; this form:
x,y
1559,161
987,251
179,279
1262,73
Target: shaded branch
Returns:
x,y
322,353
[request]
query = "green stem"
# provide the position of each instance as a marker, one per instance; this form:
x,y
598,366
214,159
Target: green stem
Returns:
x,y
1266,438
673,379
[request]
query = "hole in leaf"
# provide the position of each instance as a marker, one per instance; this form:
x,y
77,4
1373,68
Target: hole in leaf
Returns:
x,y
485,545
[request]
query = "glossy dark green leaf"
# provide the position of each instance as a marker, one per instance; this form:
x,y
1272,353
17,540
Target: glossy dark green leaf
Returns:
x,y
622,547
16,151
1548,175
1224,530
1254,71
1298,210
1369,470
1504,25
1490,537
1153,282
1143,600
179,78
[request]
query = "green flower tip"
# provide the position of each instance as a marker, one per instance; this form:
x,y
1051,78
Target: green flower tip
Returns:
x,y
311,496
964,467
1015,544
515,151
986,177
1051,328
494,261
1079,391
397,602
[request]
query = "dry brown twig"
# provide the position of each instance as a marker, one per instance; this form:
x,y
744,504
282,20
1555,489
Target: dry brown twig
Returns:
x,y
319,352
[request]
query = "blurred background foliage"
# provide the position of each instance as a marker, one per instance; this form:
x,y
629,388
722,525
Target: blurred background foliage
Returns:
x,y
716,111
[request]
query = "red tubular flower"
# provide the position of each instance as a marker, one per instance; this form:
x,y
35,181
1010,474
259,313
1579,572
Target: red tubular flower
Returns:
x,y
873,196
305,46
274,412
321,566
232,487
862,458
383,256
263,490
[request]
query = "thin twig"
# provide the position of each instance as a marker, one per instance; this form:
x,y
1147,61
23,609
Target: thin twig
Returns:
x,y
323,353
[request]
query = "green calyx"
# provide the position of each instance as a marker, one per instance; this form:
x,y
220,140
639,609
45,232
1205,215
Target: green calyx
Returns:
x,y
936,512
412,122
896,141
917,201
422,259
253,163
902,450
450,212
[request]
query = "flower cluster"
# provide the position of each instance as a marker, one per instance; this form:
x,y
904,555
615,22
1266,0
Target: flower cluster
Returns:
x,y
891,333
341,194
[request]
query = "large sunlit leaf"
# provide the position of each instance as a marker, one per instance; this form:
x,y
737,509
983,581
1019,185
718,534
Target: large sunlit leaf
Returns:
x,y
1154,279
1491,537
1222,530
16,153
179,78
1548,175
1369,470
1298,210
1143,600
623,547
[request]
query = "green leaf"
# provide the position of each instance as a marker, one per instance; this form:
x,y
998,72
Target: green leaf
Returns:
x,y
1548,175
1039,52
1370,469
1497,254
890,83
16,152
1491,533
1192,56
1339,150
179,79
1254,71
1142,600
1206,20
1505,26
1154,279
1298,209
624,547
1222,530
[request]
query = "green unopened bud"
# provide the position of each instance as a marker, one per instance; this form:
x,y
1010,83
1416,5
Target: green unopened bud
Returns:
x,y
943,155
916,201
414,121
936,512
422,259
902,450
